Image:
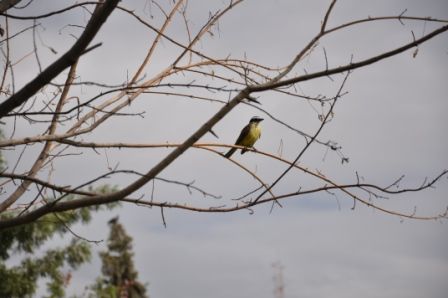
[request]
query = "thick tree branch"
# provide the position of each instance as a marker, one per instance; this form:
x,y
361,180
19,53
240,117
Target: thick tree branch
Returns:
x,y
109,198
277,84
102,199
245,85
101,13
328,185
7,4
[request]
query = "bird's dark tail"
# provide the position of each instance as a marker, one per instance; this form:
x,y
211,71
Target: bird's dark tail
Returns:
x,y
230,152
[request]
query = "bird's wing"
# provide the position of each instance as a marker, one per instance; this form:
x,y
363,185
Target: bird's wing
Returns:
x,y
243,134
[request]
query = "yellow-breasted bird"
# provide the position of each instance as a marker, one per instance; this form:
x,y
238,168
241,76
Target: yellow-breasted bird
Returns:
x,y
248,136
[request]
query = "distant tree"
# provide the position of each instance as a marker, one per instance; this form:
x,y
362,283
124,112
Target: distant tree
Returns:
x,y
21,280
26,242
119,277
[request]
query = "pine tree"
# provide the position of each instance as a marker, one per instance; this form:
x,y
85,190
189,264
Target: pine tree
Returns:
x,y
119,278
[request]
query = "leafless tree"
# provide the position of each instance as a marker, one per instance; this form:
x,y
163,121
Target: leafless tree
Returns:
x,y
64,113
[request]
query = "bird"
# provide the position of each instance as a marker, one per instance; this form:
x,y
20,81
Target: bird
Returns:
x,y
113,220
248,136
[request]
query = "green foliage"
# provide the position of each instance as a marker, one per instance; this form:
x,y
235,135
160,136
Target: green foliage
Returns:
x,y
119,274
21,280
26,240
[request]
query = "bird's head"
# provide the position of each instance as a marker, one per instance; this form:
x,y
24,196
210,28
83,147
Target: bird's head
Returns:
x,y
255,119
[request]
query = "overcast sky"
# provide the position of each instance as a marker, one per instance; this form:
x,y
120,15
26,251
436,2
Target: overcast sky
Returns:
x,y
391,123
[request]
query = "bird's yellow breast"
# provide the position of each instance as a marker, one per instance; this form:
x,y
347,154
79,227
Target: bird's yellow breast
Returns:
x,y
253,135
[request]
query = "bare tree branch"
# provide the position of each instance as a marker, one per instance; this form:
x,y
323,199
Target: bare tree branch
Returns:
x,y
35,168
348,67
67,123
101,13
50,13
